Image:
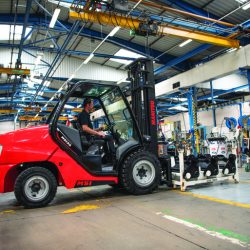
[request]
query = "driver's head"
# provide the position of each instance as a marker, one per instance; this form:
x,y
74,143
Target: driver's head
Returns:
x,y
88,104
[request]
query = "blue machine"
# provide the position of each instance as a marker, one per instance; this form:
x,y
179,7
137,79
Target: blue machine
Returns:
x,y
231,122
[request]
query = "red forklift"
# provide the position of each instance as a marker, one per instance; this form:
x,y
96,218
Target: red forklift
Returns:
x,y
34,161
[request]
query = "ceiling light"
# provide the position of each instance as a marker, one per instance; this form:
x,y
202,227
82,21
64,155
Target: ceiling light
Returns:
x,y
178,99
125,53
46,84
71,77
185,43
122,80
113,32
54,18
210,98
246,6
179,107
88,58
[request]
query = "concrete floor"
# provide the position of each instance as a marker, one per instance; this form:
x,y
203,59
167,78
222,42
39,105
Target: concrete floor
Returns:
x,y
121,221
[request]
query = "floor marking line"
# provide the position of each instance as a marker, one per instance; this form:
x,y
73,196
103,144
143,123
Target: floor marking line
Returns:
x,y
244,182
228,202
80,208
7,212
202,229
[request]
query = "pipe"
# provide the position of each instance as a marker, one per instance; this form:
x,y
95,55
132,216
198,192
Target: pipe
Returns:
x,y
185,13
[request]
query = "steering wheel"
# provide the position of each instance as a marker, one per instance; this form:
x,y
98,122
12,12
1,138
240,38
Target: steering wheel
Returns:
x,y
110,127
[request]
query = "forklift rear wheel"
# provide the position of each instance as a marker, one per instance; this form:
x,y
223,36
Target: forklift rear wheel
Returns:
x,y
35,187
140,173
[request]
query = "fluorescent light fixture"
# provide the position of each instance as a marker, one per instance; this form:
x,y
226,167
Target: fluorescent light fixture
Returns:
x,y
246,6
88,58
7,32
71,77
244,3
54,18
210,98
179,107
113,32
125,53
68,106
64,4
185,43
241,1
178,99
122,80
46,84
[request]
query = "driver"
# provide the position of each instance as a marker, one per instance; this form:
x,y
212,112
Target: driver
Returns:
x,y
85,122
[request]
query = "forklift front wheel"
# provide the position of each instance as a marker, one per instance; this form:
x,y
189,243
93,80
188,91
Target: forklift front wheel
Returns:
x,y
140,173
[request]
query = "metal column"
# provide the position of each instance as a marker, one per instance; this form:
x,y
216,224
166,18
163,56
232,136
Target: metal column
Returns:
x,y
192,111
248,78
212,96
240,109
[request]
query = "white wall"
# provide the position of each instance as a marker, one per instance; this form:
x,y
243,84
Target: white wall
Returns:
x,y
217,68
6,127
205,118
91,71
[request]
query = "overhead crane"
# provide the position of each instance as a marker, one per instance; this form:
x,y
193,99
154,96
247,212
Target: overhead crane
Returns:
x,y
143,26
38,118
14,71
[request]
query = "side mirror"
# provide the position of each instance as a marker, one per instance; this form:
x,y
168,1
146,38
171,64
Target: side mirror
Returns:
x,y
146,138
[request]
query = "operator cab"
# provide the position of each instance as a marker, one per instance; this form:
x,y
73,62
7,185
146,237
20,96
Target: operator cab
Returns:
x,y
111,110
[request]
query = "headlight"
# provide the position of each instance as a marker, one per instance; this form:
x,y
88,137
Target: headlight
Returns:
x,y
1,147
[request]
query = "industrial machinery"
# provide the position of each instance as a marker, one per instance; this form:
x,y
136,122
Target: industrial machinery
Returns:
x,y
35,160
191,168
53,154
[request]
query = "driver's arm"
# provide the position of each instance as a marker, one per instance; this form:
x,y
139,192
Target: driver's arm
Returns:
x,y
91,131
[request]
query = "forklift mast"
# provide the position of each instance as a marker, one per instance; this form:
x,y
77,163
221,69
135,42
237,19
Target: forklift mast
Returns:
x,y
141,75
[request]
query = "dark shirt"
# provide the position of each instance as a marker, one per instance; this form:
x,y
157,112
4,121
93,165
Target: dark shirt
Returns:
x,y
84,119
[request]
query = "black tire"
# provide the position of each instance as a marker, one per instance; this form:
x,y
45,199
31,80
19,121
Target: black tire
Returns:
x,y
128,175
43,179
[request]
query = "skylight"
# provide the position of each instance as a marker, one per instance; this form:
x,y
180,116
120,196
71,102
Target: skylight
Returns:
x,y
241,1
179,107
62,3
178,99
125,53
8,30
